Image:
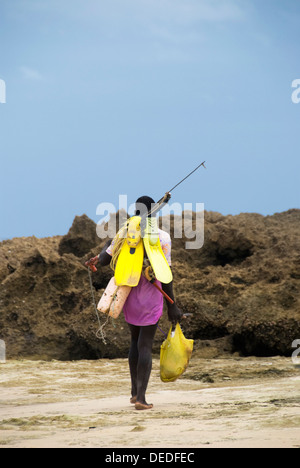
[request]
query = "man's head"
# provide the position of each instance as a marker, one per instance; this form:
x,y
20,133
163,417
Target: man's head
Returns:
x,y
143,205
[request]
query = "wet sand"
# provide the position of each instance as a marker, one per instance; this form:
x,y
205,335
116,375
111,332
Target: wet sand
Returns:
x,y
221,402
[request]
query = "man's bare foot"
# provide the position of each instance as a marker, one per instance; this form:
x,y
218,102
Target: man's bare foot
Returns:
x,y
142,406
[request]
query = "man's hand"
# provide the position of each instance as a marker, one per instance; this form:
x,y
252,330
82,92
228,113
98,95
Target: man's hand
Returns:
x,y
92,262
167,197
174,313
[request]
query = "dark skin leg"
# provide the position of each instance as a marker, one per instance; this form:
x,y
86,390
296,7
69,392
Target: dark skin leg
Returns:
x,y
140,359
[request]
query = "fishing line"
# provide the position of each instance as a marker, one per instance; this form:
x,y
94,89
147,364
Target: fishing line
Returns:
x,y
100,333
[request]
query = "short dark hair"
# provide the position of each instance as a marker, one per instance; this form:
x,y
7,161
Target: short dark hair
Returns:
x,y
143,205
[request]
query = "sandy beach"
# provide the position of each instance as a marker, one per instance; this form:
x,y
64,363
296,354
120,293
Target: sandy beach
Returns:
x,y
222,402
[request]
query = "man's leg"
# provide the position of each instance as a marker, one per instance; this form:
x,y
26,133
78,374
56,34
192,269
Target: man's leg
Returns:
x,y
144,365
133,358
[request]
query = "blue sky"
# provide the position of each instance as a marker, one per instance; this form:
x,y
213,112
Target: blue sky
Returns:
x,y
109,97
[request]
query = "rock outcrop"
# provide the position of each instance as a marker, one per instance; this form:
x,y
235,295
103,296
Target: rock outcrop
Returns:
x,y
242,289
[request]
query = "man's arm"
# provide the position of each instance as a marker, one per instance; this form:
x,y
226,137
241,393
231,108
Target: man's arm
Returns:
x,y
174,313
103,259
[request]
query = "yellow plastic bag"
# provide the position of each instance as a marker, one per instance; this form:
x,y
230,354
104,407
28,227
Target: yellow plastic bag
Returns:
x,y
175,355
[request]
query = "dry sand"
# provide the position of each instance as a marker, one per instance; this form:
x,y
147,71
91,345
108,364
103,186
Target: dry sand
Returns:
x,y
223,402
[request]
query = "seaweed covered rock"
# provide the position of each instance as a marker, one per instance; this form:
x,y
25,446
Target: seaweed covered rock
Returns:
x,y
81,238
242,289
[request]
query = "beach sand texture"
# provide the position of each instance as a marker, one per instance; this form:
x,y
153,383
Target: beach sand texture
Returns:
x,y
222,402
